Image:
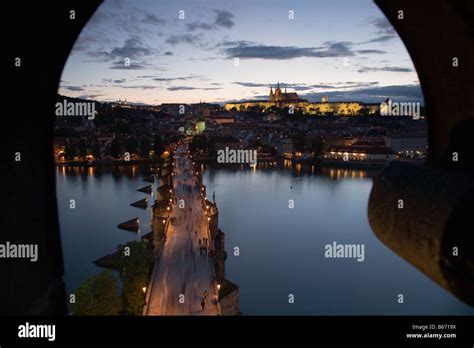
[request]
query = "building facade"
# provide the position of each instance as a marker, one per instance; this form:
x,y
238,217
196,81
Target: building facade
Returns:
x,y
278,99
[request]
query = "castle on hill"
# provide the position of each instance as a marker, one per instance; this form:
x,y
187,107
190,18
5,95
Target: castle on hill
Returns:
x,y
284,100
285,97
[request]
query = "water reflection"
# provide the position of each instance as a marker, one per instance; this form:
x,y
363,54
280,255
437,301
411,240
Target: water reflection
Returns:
x,y
282,249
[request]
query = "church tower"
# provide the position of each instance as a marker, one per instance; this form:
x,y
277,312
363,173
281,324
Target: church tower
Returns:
x,y
271,98
278,92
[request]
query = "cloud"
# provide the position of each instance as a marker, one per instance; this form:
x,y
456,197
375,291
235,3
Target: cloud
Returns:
x,y
199,25
385,68
248,50
144,87
89,96
188,88
114,81
401,93
179,78
133,49
371,52
168,53
181,88
343,85
74,88
323,86
153,19
383,30
305,87
120,65
182,38
251,84
224,19
383,26
293,86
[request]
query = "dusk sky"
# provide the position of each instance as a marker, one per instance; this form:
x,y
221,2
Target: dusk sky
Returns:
x,y
345,49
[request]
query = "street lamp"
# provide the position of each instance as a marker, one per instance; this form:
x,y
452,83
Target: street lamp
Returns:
x,y
218,287
144,289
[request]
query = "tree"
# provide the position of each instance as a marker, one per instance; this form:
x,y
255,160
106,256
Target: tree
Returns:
x,y
132,145
201,143
318,147
70,151
145,147
158,147
98,295
82,148
96,150
135,268
298,143
116,148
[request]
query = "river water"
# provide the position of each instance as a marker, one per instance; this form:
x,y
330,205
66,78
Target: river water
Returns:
x,y
280,249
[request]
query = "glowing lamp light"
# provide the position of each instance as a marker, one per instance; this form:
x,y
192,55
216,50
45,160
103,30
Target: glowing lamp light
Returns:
x,y
218,287
144,289
164,221
208,219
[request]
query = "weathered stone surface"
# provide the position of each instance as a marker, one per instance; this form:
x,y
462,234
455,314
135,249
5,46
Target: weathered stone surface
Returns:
x,y
437,216
433,34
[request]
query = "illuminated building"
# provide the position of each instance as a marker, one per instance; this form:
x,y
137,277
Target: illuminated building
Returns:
x,y
282,100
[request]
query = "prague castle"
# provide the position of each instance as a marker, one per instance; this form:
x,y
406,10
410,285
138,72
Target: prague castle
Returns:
x,y
283,100
280,97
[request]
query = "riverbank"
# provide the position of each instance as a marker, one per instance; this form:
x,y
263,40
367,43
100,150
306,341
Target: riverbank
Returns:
x,y
94,163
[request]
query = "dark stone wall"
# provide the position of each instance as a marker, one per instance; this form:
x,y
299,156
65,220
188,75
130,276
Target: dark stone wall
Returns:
x,y
435,219
42,37
438,197
434,32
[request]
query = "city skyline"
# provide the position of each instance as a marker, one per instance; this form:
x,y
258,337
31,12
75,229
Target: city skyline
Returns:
x,y
345,50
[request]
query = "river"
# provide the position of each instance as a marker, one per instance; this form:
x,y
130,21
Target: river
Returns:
x,y
281,250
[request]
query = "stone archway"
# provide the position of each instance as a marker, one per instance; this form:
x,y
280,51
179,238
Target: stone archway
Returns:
x,y
433,35
433,230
